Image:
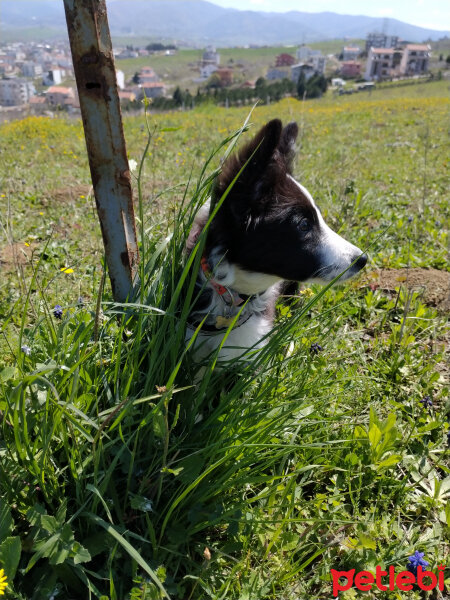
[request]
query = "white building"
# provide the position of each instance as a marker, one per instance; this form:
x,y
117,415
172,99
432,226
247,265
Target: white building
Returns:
x,y
386,63
381,40
381,63
120,77
350,53
52,77
304,53
306,69
31,69
311,57
210,56
207,70
415,59
16,91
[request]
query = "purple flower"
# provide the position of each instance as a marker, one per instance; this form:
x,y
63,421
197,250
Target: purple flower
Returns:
x,y
58,311
416,560
315,348
427,402
26,350
410,219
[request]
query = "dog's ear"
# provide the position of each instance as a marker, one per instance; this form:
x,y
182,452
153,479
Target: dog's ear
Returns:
x,y
260,150
287,146
252,159
259,167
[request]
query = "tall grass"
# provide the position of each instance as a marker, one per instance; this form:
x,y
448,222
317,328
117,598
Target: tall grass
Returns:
x,y
123,477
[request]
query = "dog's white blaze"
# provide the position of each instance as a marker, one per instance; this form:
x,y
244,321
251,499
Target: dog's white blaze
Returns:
x,y
336,252
244,282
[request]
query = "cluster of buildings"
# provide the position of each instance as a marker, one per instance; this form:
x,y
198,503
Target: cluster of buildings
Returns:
x,y
32,74
388,57
25,65
209,65
307,61
385,56
146,84
402,60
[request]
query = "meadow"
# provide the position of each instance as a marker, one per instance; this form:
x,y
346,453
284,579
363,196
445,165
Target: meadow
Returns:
x,y
123,479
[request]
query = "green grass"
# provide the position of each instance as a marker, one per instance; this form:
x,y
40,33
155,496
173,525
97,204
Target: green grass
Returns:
x,y
118,475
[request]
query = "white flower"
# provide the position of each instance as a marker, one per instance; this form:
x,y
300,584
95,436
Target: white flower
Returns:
x,y
132,164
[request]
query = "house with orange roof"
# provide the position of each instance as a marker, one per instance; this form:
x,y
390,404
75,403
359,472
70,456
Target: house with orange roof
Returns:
x,y
415,59
59,96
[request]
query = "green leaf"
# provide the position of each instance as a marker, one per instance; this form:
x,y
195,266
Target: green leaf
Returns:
x,y
7,373
389,423
390,461
141,503
366,541
172,471
10,550
81,554
49,523
374,436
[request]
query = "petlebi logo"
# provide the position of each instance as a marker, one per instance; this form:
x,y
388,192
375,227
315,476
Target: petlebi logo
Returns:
x,y
391,579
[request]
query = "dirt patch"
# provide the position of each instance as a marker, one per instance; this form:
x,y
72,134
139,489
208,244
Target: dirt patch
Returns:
x,y
69,194
434,284
15,254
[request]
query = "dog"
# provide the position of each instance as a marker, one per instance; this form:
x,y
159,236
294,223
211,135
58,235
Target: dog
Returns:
x,y
267,231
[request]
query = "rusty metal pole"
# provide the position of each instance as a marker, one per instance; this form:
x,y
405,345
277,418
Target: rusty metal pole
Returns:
x,y
95,73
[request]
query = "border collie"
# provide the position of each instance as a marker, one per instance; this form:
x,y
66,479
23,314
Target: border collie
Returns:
x,y
267,231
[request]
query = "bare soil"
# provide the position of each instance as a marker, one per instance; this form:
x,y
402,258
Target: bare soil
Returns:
x,y
433,283
68,194
15,255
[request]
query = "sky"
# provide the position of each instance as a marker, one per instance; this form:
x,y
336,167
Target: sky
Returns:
x,y
432,14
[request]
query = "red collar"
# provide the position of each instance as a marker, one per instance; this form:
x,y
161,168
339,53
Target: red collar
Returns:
x,y
228,296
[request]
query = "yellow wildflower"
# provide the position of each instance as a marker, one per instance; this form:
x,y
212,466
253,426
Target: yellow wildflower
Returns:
x,y
307,292
3,582
67,270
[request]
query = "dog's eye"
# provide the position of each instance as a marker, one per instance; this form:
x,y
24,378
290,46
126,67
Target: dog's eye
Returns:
x,y
304,225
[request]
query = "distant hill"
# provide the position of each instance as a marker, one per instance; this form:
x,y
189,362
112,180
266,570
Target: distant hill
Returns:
x,y
201,22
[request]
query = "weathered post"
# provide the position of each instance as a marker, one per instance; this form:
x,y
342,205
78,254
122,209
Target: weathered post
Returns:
x,y
95,73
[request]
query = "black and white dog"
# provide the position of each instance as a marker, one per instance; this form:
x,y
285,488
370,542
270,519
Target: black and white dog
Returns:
x,y
268,230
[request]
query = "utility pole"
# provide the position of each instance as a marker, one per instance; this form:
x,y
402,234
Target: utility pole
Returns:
x,y
95,73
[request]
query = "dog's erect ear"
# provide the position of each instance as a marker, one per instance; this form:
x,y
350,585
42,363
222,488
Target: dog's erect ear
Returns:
x,y
287,147
260,165
261,148
252,159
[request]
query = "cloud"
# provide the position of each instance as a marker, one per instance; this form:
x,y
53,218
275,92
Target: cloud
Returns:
x,y
385,12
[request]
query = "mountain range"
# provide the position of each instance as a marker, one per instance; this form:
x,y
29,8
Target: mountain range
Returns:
x,y
200,22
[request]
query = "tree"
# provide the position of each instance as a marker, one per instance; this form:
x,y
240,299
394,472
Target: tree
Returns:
x,y
301,85
178,96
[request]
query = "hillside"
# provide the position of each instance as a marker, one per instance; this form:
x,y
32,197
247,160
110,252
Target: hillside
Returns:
x,y
201,22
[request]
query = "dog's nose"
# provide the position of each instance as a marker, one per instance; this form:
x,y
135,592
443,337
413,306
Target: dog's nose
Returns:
x,y
361,262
